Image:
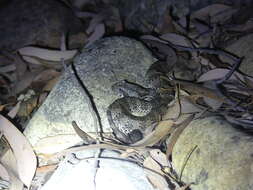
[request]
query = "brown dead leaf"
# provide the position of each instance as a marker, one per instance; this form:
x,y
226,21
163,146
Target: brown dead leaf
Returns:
x,y
50,84
175,135
23,152
160,132
187,107
47,75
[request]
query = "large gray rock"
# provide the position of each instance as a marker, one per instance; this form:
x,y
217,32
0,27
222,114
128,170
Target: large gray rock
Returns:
x,y
222,159
104,63
113,173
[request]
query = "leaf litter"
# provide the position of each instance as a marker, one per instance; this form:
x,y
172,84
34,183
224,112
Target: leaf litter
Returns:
x,y
212,87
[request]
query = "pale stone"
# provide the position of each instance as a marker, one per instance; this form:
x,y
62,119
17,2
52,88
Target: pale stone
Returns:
x,y
222,158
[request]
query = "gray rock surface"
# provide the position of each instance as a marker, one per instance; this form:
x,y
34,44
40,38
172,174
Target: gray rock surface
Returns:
x,y
222,159
112,174
99,67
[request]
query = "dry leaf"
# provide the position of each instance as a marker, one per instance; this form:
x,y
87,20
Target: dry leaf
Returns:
x,y
218,73
46,75
51,55
175,135
187,106
176,39
50,84
25,157
98,33
160,132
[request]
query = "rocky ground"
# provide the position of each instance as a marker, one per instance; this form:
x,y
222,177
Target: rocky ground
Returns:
x,y
60,60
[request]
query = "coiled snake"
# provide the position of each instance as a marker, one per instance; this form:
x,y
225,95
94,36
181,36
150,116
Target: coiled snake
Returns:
x,y
131,116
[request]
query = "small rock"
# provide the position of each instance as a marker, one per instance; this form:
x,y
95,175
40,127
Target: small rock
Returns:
x,y
99,67
222,158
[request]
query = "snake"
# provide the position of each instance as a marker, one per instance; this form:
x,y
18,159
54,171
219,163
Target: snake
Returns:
x,y
139,108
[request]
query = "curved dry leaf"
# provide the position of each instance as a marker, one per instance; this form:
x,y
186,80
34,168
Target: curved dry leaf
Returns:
x,y
187,106
46,54
25,157
175,135
46,75
161,131
50,84
176,39
218,73
98,33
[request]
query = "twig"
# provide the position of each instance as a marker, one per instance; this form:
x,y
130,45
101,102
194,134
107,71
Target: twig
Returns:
x,y
187,159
